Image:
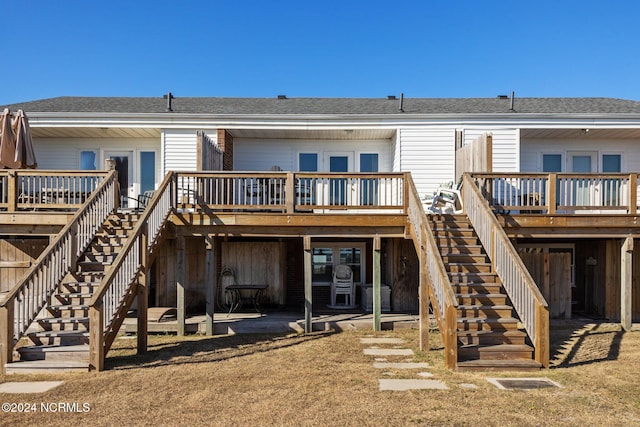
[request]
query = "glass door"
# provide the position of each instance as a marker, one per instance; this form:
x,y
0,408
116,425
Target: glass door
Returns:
x,y
124,167
583,189
339,188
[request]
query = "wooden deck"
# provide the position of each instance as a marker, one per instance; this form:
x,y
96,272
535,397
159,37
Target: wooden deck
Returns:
x,y
286,204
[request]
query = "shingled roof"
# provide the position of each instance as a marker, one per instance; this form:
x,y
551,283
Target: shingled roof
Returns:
x,y
329,106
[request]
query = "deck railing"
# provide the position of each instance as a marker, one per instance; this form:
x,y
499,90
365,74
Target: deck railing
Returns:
x,y
22,190
441,293
116,292
291,192
28,297
554,193
522,290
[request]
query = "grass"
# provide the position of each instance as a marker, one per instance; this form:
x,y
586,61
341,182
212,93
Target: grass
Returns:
x,y
324,379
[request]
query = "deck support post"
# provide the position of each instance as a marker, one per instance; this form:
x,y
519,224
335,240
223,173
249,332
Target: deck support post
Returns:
x,y
6,335
376,285
308,288
626,281
180,282
142,292
423,303
210,280
96,337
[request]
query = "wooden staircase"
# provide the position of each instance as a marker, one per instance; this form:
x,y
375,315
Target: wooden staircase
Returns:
x,y
488,336
60,336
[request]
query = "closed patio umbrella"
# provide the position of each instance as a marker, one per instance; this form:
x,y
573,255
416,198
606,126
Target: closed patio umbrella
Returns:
x,y
24,157
7,141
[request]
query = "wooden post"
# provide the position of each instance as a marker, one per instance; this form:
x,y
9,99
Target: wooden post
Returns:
x,y
551,194
6,335
180,283
488,153
541,343
451,337
142,292
96,337
12,191
210,281
308,287
423,301
626,282
73,234
633,193
376,285
290,192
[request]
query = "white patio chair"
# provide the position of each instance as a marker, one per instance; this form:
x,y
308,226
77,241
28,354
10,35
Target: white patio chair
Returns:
x,y
342,284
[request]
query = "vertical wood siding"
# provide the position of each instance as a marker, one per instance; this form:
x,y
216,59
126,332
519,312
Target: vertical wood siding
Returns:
x,y
257,263
506,147
16,256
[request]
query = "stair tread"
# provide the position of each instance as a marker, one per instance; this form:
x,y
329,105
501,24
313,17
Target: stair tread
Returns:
x,y
75,294
500,364
58,333
75,319
484,306
69,306
497,347
481,295
488,319
511,332
47,364
52,348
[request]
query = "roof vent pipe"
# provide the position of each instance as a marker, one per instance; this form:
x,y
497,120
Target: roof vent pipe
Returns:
x,y
401,106
168,97
513,98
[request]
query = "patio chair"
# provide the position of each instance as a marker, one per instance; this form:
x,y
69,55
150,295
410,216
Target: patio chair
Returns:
x,y
342,284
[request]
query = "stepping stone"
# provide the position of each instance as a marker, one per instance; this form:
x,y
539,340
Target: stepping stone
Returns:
x,y
380,359
388,352
469,386
401,365
425,374
404,385
29,387
381,340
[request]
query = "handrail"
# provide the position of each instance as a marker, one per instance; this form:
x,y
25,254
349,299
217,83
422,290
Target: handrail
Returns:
x,y
290,192
553,193
25,300
440,290
525,296
114,292
22,189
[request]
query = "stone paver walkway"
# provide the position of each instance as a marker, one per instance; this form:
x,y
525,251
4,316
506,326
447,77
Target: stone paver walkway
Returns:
x,y
391,384
28,387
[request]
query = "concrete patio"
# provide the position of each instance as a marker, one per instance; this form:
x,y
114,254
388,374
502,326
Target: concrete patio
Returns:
x,y
277,322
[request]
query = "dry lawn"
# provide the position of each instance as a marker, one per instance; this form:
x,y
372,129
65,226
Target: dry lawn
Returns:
x,y
324,379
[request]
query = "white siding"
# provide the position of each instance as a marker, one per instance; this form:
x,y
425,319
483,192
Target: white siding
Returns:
x,y
64,154
251,154
532,150
180,150
428,153
506,147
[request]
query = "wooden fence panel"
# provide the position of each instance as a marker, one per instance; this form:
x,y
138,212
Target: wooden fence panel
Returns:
x,y
552,274
16,256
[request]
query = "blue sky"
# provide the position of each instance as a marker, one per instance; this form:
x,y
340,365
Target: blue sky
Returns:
x,y
328,48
